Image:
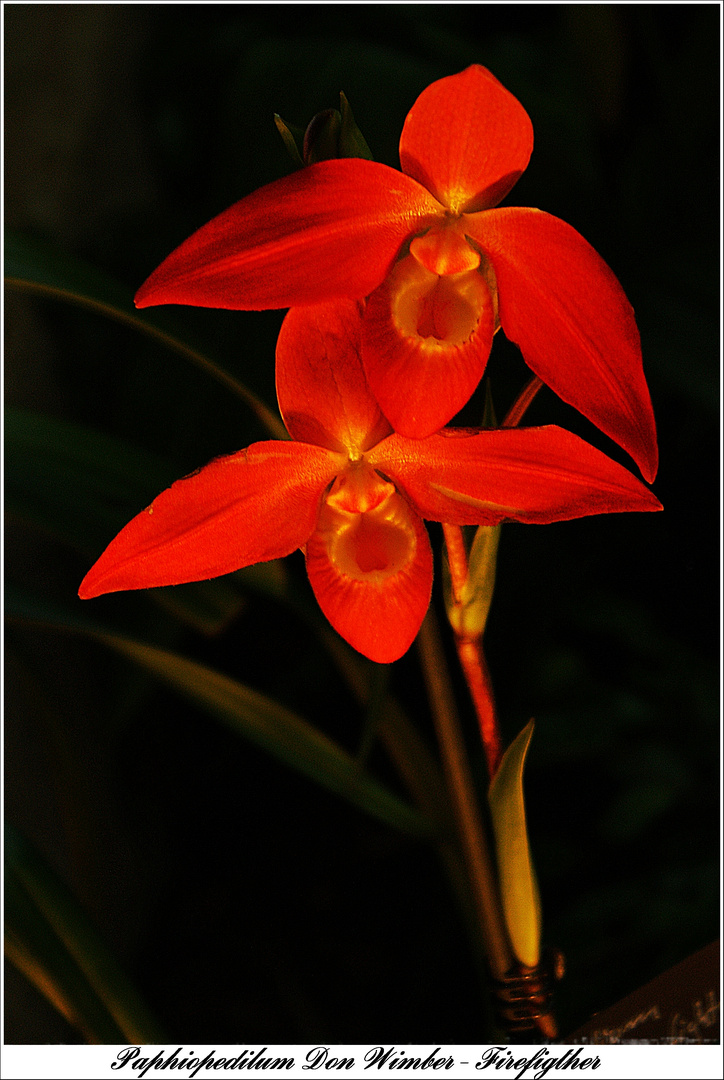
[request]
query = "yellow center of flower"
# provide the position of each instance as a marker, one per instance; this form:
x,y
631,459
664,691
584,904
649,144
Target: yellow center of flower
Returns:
x,y
366,525
442,309
438,292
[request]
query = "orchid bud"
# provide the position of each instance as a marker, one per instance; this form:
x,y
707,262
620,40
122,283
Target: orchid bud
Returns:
x,y
321,139
332,133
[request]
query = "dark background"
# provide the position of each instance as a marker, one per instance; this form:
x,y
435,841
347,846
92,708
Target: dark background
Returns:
x,y
249,905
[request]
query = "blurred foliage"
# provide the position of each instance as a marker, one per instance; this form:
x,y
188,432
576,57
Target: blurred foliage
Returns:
x,y
249,904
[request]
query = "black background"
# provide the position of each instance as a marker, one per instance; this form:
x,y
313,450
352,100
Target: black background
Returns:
x,y
249,905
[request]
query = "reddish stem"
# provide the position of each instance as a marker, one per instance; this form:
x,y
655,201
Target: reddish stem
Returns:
x,y
457,559
477,676
519,407
472,658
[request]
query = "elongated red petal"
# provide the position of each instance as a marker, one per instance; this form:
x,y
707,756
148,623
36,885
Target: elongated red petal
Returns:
x,y
372,576
329,230
259,504
544,474
321,387
467,139
564,308
426,341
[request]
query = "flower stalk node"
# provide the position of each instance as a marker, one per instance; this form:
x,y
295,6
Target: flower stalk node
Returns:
x,y
468,606
523,999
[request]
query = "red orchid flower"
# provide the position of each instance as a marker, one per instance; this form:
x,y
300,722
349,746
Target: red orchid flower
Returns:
x,y
353,494
442,268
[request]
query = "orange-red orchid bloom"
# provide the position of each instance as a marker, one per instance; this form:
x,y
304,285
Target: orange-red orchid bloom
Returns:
x,y
442,268
353,494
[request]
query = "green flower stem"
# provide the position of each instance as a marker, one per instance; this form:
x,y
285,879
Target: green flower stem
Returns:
x,y
472,835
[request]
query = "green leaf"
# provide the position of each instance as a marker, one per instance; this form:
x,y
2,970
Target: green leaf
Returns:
x,y
518,885
480,584
257,717
33,266
76,483
413,758
81,487
276,729
50,939
293,138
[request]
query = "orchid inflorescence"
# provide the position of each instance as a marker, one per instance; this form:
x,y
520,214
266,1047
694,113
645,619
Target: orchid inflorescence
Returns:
x,y
397,283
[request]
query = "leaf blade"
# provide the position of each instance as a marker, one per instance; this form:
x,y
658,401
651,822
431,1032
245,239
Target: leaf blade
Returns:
x,y
276,729
518,884
36,267
259,718
52,941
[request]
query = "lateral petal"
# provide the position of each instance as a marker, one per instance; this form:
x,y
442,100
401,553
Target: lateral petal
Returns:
x,y
426,340
372,576
471,477
321,388
259,504
564,308
467,139
328,230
